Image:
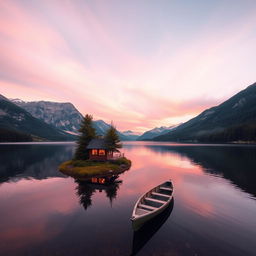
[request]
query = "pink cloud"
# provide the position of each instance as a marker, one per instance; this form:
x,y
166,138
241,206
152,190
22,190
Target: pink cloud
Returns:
x,y
76,52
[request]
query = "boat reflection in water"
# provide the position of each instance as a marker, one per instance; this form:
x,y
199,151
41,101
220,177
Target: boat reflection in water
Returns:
x,y
86,188
145,233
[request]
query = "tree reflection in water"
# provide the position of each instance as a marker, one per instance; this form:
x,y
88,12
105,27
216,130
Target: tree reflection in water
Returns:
x,y
86,188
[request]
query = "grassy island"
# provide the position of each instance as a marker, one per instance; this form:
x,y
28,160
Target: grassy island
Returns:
x,y
80,169
96,155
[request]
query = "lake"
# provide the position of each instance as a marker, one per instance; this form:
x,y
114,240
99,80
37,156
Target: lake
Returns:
x,y
44,212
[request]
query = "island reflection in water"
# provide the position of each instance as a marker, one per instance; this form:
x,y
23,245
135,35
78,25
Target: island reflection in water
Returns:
x,y
86,188
214,211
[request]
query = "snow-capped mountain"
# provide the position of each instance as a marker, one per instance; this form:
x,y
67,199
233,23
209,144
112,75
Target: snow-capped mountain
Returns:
x,y
63,116
2,97
101,128
16,124
148,135
16,100
131,135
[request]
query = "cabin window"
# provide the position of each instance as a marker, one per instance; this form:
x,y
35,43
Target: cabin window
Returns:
x,y
94,152
101,180
102,152
94,180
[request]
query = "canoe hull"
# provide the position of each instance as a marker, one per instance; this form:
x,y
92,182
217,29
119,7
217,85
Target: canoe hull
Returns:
x,y
149,229
138,222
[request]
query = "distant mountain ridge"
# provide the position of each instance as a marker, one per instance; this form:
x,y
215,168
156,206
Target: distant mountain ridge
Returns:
x,y
16,124
131,135
233,120
63,116
101,128
157,131
3,98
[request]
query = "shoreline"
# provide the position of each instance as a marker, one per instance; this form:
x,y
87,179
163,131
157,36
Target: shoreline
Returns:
x,y
84,169
152,142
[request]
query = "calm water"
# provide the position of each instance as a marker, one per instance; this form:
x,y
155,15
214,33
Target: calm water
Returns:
x,y
45,213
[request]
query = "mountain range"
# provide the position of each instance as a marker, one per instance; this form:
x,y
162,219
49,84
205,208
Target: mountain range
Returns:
x,y
130,134
233,120
149,135
16,124
63,116
101,127
43,120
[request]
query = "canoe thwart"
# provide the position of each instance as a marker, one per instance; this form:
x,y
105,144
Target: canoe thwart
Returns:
x,y
165,188
160,194
147,206
154,200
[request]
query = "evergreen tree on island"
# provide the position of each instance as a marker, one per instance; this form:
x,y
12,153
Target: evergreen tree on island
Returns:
x,y
87,134
112,139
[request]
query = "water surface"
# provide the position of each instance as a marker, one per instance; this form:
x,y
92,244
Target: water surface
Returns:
x,y
44,212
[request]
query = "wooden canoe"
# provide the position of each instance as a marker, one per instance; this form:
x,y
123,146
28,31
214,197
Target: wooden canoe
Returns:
x,y
151,204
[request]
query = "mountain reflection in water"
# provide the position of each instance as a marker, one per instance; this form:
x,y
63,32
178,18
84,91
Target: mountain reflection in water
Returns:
x,y
232,162
37,161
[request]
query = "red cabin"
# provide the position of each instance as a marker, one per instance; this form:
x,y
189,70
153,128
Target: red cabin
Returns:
x,y
98,150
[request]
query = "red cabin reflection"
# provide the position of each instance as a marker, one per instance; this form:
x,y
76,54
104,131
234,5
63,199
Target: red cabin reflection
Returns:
x,y
98,180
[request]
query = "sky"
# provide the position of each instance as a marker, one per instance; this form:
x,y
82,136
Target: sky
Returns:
x,y
140,64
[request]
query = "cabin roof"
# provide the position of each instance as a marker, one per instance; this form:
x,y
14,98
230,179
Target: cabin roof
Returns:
x,y
97,144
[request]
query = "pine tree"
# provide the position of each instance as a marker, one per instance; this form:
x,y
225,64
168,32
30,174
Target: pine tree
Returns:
x,y
112,139
87,134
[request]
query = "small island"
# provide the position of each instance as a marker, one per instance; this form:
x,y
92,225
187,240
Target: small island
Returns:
x,y
96,156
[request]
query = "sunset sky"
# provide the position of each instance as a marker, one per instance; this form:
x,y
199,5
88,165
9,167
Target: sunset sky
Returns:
x,y
139,63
